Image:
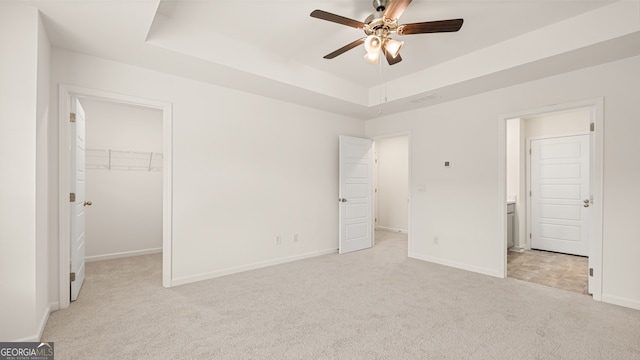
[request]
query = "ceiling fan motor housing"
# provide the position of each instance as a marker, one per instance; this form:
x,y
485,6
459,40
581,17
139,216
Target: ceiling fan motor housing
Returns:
x,y
377,24
380,5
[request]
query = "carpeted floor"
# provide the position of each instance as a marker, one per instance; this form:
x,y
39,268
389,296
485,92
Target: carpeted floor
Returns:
x,y
371,304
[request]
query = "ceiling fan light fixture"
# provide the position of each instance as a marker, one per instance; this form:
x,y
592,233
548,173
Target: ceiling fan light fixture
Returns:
x,y
382,23
393,47
372,57
372,44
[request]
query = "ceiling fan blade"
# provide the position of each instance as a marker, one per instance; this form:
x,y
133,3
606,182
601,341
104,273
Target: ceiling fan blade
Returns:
x,y
390,59
323,15
345,48
396,8
430,27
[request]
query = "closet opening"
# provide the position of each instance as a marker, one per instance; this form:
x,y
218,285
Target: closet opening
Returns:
x,y
123,168
117,154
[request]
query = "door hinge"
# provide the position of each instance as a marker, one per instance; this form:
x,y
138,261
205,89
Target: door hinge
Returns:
x,y
72,276
72,117
376,190
590,271
529,193
376,219
529,235
529,151
72,197
592,127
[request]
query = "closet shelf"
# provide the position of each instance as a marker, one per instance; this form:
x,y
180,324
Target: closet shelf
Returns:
x,y
109,159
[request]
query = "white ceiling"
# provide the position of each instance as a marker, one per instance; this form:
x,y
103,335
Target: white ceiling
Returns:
x,y
275,48
285,29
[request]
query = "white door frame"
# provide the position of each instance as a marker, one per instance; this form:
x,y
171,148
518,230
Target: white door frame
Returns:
x,y
597,145
409,193
65,91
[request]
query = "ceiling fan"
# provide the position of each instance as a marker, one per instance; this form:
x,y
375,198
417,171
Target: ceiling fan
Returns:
x,y
380,25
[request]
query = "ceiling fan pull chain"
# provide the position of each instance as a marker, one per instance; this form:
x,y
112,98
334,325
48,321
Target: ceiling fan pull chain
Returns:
x,y
385,91
381,83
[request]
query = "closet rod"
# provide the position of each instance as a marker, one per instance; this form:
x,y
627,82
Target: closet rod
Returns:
x,y
118,159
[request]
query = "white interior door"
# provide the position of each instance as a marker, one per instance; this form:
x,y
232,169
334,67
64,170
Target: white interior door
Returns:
x,y
355,198
77,147
560,194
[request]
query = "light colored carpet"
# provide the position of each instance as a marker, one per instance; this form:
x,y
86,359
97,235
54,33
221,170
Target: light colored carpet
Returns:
x,y
371,304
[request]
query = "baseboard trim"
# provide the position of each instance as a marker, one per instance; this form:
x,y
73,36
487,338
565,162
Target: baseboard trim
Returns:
x,y
33,338
392,229
45,318
617,300
234,270
54,306
455,264
123,254
41,325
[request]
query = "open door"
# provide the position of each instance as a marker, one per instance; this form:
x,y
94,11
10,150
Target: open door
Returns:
x,y
355,196
77,196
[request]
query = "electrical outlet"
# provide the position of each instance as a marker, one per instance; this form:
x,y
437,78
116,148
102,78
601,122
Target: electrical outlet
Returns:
x,y
436,239
278,240
295,237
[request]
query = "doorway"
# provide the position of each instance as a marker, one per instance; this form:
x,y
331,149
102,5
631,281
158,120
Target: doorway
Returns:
x,y
391,186
123,165
66,92
359,182
552,238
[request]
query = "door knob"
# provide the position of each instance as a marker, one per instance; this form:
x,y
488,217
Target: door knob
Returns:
x,y
586,203
87,203
342,200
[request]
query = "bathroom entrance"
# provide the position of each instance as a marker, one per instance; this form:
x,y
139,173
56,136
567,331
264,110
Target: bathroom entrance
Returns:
x,y
550,198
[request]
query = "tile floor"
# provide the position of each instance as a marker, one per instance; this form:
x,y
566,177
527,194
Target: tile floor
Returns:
x,y
562,271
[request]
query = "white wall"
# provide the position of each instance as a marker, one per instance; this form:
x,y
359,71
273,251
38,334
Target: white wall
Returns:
x,y
460,204
125,218
43,119
513,151
393,183
23,206
513,158
558,123
245,168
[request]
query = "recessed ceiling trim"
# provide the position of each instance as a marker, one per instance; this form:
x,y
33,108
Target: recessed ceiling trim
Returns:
x,y
603,24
